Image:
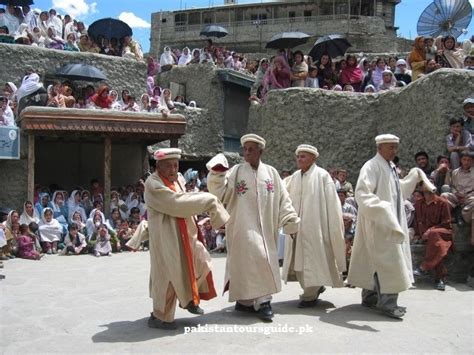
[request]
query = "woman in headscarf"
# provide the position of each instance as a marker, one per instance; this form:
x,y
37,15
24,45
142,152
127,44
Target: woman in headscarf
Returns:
x,y
29,214
52,40
167,60
262,69
449,56
117,202
31,92
278,76
115,219
134,200
150,85
7,117
101,99
326,73
50,231
144,103
206,56
55,95
44,23
152,68
93,224
417,58
115,105
185,57
74,204
166,100
37,37
9,91
44,202
13,218
196,57
156,93
77,219
124,96
86,202
388,81
60,211
71,44
377,73
299,70
352,74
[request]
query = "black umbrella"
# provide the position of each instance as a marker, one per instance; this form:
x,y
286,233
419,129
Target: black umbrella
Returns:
x,y
214,31
333,45
287,40
80,71
16,2
109,28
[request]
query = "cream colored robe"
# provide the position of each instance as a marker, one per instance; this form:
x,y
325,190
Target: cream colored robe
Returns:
x,y
381,242
168,263
259,205
319,249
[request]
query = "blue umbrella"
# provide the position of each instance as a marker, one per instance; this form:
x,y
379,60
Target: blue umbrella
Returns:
x,y
214,31
80,71
109,28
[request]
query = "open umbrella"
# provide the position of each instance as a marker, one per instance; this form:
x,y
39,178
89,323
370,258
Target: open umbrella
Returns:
x,y
80,71
109,28
287,40
214,31
333,45
16,2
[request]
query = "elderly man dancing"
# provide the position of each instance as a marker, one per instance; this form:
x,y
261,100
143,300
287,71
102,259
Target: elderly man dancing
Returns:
x,y
381,258
315,256
258,203
180,263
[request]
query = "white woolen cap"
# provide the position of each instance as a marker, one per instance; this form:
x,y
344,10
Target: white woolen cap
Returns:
x,y
386,138
308,149
468,101
167,153
253,138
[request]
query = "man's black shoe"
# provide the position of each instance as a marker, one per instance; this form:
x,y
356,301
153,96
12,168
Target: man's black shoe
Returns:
x,y
265,312
241,308
154,322
307,304
192,308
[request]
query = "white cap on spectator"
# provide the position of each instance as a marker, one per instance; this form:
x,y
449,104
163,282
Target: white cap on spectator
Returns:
x,y
167,153
308,149
468,101
401,62
386,138
253,138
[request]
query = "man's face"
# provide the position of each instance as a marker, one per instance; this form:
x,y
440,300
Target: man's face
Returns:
x,y
342,176
388,150
421,161
466,162
168,168
456,128
304,160
469,110
342,197
252,153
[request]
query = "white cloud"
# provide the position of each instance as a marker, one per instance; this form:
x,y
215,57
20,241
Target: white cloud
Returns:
x,y
75,8
133,20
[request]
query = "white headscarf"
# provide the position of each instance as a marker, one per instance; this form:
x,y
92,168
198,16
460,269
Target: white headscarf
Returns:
x,y
29,85
185,58
25,218
167,58
142,107
75,207
56,208
51,231
205,57
163,102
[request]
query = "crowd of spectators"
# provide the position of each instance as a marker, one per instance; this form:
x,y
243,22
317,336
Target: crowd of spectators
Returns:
x,y
47,29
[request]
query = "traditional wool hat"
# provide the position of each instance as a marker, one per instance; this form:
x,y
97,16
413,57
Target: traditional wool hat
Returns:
x,y
401,62
468,101
253,138
219,159
308,149
167,153
386,138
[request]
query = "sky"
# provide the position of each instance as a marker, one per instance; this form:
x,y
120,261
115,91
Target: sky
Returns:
x,y
137,13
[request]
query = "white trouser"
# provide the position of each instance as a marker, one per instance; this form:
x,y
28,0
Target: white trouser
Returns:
x,y
256,302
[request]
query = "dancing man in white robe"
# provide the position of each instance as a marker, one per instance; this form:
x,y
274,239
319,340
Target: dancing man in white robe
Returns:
x,y
381,258
315,256
259,205
180,263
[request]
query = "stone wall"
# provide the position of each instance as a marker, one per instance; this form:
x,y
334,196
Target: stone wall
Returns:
x,y
121,72
343,125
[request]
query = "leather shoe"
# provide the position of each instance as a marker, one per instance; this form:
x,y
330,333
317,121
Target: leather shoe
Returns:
x,y
194,309
440,285
154,322
241,308
307,304
265,312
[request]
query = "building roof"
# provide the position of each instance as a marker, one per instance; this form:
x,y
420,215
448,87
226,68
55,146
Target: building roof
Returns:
x,y
51,121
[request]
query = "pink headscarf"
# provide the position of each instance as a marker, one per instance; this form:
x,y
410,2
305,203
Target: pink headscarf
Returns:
x,y
152,67
275,78
150,85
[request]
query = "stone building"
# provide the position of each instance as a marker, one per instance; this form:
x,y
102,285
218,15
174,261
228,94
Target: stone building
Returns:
x,y
369,24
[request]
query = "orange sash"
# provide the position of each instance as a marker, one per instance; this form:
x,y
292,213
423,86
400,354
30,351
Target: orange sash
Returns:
x,y
211,293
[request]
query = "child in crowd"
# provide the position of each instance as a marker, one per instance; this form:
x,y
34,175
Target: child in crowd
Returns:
x,y
312,79
124,232
102,246
75,242
26,244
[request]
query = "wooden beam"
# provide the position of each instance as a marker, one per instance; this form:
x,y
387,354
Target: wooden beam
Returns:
x,y
107,173
31,167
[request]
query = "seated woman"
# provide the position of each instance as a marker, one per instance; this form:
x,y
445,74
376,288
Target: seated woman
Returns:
x,y
86,202
131,105
388,81
134,200
26,244
167,61
115,219
60,211
196,57
145,103
81,225
352,74
71,44
450,57
50,231
69,99
326,73
102,244
457,141
101,99
52,40
93,224
299,70
417,58
166,100
278,76
75,242
74,204
43,203
29,214
117,202
115,105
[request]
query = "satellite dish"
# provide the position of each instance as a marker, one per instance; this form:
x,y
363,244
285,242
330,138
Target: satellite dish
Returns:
x,y
445,17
